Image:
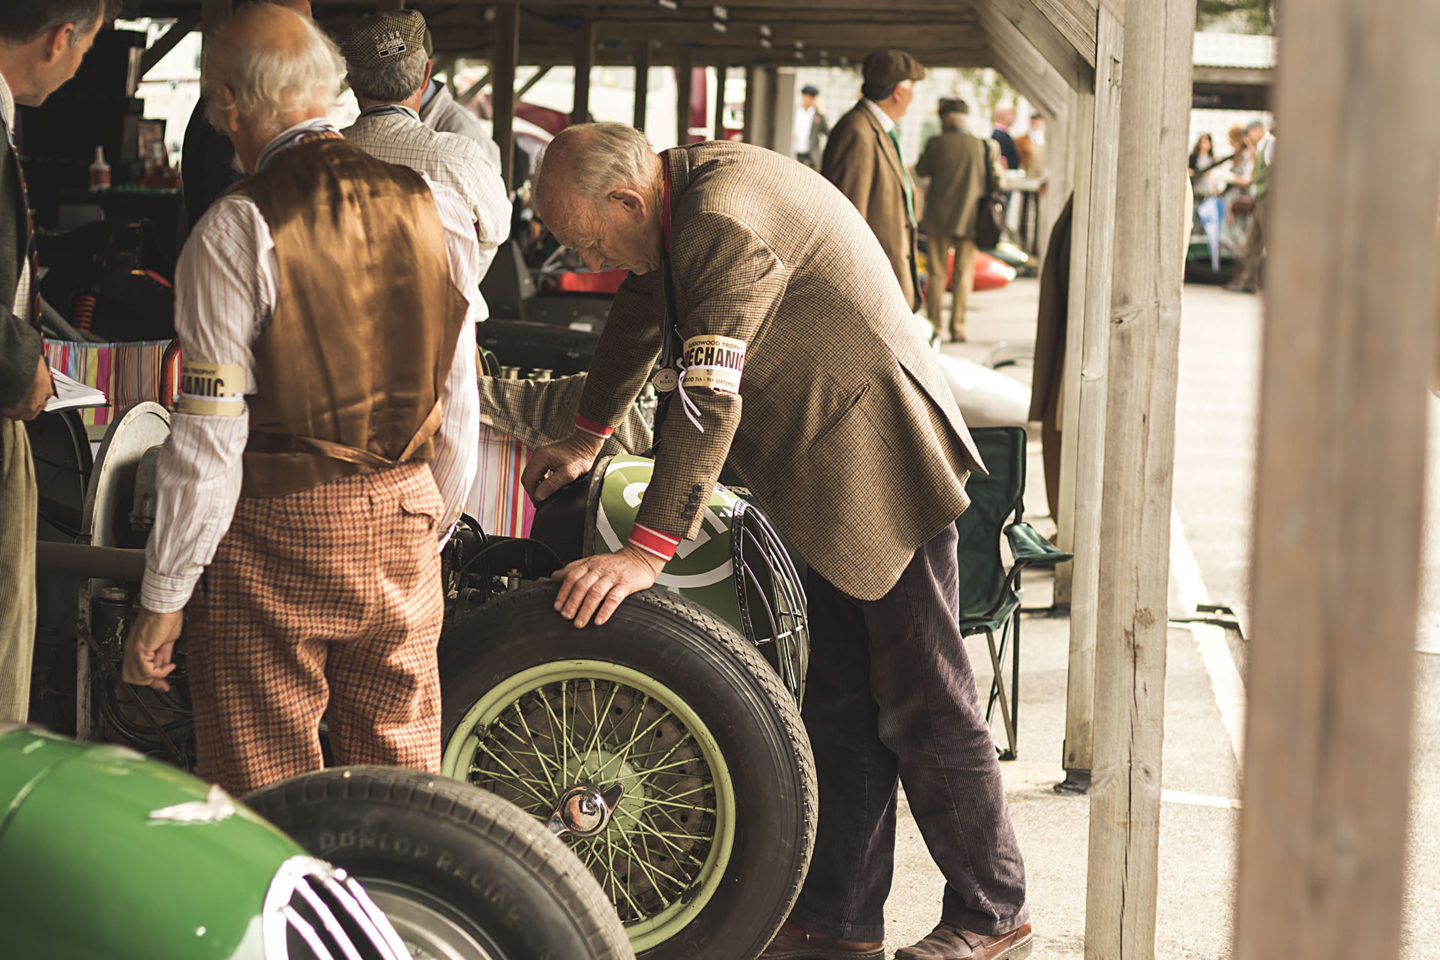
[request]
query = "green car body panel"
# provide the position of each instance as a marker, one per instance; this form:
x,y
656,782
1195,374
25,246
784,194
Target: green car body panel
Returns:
x,y
86,871
702,569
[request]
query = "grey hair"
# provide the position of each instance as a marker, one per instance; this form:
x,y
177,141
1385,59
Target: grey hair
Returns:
x,y
390,81
270,81
602,157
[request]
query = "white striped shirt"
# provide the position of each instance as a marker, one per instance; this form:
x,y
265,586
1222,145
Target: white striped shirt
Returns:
x,y
225,292
446,158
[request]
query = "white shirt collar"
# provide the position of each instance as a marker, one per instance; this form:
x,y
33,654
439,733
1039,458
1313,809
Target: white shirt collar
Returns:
x,y
290,137
880,115
7,107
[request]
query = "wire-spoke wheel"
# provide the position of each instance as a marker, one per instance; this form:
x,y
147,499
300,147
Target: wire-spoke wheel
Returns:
x,y
660,747
664,845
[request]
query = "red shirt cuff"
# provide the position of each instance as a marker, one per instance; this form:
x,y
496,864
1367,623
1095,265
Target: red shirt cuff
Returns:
x,y
593,428
653,542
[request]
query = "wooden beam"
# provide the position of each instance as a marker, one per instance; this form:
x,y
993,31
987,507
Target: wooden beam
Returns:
x,y
684,89
642,84
1152,229
1023,65
1340,488
476,88
1082,450
916,37
389,4
1070,52
530,82
166,42
502,101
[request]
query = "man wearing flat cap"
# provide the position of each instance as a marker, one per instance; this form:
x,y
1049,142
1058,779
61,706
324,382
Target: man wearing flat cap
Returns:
x,y
389,70
961,169
863,159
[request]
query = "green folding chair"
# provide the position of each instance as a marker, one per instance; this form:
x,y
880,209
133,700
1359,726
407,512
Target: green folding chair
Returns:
x,y
989,591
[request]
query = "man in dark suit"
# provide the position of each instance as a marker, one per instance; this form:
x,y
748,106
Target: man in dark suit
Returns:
x,y
790,354
41,45
1004,117
863,159
958,167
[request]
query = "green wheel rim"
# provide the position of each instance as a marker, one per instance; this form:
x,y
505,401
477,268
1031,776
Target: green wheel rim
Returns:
x,y
569,722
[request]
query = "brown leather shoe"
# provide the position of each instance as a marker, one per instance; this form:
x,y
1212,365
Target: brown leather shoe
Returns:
x,y
949,942
794,942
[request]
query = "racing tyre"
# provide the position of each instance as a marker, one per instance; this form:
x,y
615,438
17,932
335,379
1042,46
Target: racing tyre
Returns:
x,y
461,874
660,746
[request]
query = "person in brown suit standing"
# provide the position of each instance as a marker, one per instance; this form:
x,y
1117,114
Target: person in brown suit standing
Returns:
x,y
786,350
863,159
960,172
325,436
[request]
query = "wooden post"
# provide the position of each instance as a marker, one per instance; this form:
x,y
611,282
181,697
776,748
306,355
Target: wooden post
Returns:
x,y
389,4
1152,222
783,118
1340,492
502,98
684,89
722,69
213,13
748,131
584,60
1097,125
642,84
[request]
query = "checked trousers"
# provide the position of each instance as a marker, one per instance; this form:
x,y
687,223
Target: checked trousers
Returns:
x,y
323,602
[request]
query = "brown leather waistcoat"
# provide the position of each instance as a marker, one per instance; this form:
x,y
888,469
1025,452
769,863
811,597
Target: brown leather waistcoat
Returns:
x,y
350,368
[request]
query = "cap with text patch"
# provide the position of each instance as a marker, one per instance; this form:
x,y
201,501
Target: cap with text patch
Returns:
x,y
385,37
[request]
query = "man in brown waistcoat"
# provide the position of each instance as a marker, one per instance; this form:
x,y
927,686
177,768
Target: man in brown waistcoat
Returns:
x,y
325,436
788,352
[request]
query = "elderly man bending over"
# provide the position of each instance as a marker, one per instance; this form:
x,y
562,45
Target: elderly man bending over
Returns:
x,y
325,437
788,349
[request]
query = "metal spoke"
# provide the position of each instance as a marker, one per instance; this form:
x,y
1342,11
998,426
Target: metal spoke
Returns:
x,y
652,802
518,778
530,738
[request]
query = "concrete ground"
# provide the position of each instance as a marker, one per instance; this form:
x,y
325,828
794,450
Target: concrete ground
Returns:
x,y
1215,433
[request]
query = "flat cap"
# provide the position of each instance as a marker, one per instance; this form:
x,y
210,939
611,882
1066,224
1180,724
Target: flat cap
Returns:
x,y
385,37
885,68
810,90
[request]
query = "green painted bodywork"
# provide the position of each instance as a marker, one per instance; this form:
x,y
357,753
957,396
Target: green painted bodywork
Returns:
x,y
702,569
84,872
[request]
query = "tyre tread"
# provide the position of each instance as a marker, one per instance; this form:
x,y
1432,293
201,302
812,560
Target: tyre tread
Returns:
x,y
510,828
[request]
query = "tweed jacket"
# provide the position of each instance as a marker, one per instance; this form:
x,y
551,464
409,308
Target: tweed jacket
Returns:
x,y
861,160
842,425
20,345
956,162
